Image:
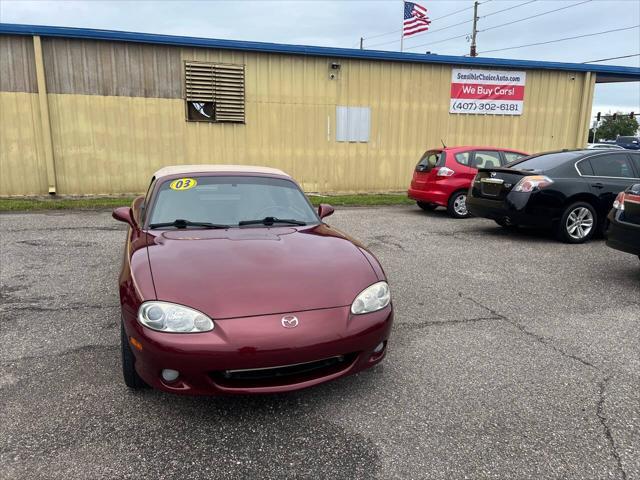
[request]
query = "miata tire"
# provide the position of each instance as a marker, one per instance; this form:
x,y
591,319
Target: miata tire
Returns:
x,y
131,377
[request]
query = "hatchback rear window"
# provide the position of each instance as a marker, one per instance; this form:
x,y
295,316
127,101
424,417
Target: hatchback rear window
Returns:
x,y
546,161
430,159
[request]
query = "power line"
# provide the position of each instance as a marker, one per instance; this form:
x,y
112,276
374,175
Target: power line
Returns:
x,y
535,16
431,32
473,52
383,34
447,27
480,17
380,44
439,41
457,11
433,20
506,9
490,28
439,18
560,40
613,58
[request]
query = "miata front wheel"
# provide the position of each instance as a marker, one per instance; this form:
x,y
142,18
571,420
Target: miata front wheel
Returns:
x,y
131,377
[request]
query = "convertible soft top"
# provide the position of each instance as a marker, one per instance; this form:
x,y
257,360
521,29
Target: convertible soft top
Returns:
x,y
189,169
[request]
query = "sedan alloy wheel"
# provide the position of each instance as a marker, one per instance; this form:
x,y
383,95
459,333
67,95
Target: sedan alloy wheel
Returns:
x,y
579,223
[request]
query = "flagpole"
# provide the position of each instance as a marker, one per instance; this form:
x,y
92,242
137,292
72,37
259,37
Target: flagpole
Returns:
x,y
402,29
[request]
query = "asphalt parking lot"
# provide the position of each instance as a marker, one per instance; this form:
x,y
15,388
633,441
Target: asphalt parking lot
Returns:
x,y
512,357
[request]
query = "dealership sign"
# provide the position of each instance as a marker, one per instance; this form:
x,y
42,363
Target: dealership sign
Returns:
x,y
487,92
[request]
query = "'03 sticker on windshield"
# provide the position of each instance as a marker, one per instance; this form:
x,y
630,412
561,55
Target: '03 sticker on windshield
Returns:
x,y
183,184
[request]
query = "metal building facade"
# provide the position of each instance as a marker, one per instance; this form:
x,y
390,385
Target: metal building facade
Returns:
x,y
93,112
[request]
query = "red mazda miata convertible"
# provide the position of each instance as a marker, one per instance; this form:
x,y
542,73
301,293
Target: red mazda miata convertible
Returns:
x,y
232,284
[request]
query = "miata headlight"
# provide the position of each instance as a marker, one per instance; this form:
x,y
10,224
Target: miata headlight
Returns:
x,y
169,317
371,299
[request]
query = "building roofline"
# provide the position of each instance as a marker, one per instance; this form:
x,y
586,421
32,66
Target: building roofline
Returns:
x,y
604,73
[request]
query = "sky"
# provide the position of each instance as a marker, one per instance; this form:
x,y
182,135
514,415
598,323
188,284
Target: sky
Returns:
x,y
341,23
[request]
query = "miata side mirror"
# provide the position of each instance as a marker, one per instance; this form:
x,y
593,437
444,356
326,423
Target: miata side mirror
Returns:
x,y
324,210
124,214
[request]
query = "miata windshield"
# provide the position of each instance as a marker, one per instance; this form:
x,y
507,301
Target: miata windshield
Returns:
x,y
229,201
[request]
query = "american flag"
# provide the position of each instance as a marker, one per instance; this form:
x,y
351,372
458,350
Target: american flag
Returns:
x,y
415,19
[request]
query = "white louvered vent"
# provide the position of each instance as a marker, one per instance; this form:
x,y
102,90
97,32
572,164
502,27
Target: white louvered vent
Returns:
x,y
220,84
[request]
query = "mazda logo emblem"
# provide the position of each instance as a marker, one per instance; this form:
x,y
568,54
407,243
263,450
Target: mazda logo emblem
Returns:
x,y
289,321
493,174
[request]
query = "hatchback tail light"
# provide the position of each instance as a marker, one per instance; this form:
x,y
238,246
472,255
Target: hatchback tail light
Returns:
x,y
618,203
445,172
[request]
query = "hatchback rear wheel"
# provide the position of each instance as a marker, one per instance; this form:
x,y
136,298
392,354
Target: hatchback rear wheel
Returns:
x,y
457,206
427,207
578,223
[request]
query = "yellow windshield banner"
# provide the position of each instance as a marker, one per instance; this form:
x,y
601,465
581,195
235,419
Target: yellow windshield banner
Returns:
x,y
183,184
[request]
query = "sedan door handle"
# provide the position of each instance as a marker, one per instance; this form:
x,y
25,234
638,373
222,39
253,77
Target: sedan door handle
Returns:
x,y
598,185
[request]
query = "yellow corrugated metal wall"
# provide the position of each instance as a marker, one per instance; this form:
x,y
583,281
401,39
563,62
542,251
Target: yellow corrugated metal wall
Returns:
x,y
108,144
22,166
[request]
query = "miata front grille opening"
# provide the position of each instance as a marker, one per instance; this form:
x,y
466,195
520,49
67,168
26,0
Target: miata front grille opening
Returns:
x,y
285,374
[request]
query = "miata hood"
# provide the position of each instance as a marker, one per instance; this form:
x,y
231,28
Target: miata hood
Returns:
x,y
258,271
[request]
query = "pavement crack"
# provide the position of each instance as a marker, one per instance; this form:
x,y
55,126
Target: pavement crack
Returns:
x,y
602,386
56,229
538,338
69,308
433,323
81,349
388,241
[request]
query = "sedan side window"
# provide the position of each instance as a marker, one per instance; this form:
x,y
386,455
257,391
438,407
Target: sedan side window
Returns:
x,y
612,165
636,160
584,167
486,159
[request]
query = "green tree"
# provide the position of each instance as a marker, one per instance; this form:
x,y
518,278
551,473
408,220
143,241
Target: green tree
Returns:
x,y
610,128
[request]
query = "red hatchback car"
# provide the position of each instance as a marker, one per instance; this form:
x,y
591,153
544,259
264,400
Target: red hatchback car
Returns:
x,y
443,175
231,283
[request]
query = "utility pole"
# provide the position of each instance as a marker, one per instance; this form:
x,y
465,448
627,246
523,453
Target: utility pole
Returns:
x,y
472,52
595,129
361,41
